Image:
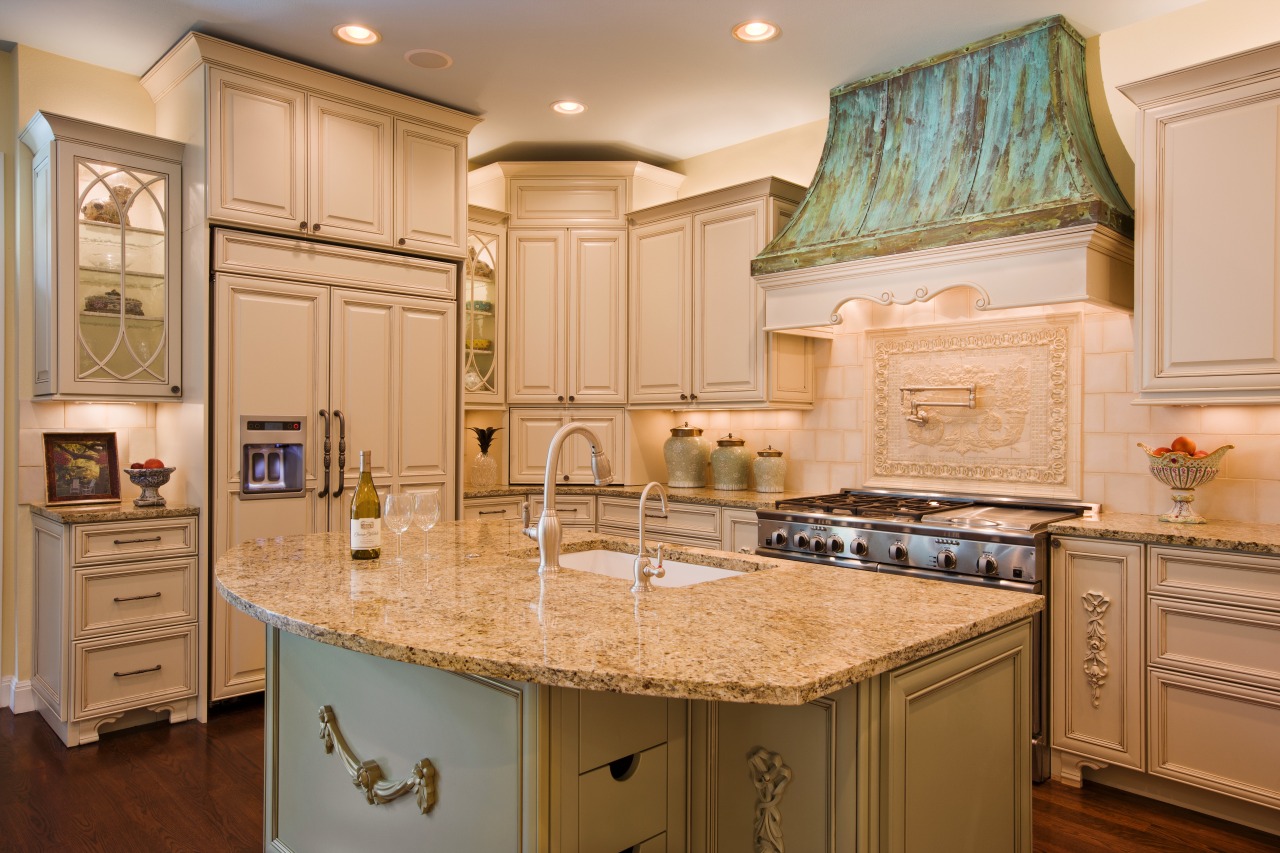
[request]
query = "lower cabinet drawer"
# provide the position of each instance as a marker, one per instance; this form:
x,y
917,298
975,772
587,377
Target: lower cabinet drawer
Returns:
x,y
1216,640
504,510
111,542
572,510
615,725
690,520
1215,735
623,804
117,673
112,599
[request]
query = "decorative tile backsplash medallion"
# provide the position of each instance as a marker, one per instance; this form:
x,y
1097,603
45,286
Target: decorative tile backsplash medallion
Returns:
x,y
990,407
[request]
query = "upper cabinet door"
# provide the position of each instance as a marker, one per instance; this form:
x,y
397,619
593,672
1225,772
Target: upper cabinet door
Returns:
x,y
430,196
535,349
350,193
257,152
597,317
661,306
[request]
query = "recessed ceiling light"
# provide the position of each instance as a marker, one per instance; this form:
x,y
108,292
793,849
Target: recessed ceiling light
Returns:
x,y
356,34
753,31
569,108
432,60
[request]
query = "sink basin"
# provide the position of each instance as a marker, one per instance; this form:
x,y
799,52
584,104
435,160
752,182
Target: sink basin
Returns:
x,y
617,564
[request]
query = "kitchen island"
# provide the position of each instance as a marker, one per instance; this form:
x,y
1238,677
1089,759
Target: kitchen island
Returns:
x,y
500,710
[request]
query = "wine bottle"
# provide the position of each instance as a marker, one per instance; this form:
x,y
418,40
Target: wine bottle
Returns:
x,y
366,514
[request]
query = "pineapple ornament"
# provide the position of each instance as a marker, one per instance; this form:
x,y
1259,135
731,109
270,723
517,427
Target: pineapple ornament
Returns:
x,y
484,468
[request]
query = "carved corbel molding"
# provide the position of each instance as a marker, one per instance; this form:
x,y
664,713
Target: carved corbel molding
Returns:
x,y
367,775
770,777
1096,667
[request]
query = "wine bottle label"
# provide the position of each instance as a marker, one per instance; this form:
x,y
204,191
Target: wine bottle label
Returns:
x,y
366,533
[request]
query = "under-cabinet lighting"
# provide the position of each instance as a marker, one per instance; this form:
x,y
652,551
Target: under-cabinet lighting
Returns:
x,y
569,108
756,31
356,34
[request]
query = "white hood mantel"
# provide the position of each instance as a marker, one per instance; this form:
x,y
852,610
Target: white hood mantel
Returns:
x,y
979,167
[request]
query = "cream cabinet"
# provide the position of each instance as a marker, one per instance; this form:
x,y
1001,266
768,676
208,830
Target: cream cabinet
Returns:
x,y
696,330
117,620
567,324
1096,618
530,440
492,509
106,262
1208,203
369,369
294,149
484,307
740,530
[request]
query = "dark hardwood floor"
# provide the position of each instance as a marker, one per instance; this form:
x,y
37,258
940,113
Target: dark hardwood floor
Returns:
x,y
199,788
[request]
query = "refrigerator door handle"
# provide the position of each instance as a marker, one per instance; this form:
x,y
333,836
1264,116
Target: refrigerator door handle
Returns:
x,y
324,485
342,452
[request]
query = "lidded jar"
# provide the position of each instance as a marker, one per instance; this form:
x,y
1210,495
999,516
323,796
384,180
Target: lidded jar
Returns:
x,y
771,470
730,464
687,456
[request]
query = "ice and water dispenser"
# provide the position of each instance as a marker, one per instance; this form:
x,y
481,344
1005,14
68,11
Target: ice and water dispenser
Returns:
x,y
273,454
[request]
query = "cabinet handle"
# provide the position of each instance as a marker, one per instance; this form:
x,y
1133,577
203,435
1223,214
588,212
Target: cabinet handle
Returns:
x,y
693,396
155,668
572,509
302,226
570,398
655,515
400,242
342,451
566,478
119,598
493,512
324,486
136,541
684,396
746,550
175,389
560,399
315,229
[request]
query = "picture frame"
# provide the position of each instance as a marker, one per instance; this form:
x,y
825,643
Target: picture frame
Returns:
x,y
81,468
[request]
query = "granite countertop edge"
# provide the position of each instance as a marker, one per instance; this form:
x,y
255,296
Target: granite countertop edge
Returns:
x,y
1246,537
124,511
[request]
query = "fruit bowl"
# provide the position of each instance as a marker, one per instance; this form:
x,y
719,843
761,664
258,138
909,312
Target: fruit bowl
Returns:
x,y
1182,472
149,480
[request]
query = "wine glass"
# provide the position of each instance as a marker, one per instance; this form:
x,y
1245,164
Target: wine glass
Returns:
x,y
426,512
396,512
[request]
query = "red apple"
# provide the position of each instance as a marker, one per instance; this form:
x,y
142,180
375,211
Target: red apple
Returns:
x,y
153,463
1199,454
136,465
1182,444
1160,451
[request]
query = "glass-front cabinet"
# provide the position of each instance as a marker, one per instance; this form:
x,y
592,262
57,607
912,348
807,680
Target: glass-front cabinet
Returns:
x,y
483,294
107,261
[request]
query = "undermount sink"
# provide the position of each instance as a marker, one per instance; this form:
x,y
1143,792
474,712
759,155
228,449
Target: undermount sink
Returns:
x,y
618,564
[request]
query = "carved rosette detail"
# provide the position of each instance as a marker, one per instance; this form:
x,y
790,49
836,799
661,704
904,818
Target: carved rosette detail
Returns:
x,y
771,778
367,775
1096,667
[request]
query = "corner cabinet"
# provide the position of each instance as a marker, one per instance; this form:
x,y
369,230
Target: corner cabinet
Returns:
x,y
696,327
106,261
484,296
1208,202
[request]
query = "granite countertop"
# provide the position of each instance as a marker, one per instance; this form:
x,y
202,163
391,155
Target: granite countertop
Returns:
x,y
781,633
740,499
1249,537
125,511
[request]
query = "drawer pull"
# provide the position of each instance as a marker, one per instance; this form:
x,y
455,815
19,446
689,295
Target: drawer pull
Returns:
x,y
136,541
367,775
655,515
493,512
120,598
155,668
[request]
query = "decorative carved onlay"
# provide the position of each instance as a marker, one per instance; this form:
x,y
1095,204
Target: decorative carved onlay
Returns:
x,y
367,775
771,777
1019,432
1095,639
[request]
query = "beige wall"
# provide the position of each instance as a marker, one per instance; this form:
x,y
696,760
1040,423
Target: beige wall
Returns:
x,y
43,81
791,154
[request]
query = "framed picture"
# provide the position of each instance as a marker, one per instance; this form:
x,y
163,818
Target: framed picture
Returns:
x,y
81,468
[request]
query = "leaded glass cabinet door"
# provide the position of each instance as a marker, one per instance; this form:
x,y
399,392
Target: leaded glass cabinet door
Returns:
x,y
483,308
108,262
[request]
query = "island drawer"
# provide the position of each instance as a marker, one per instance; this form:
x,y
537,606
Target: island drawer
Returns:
x,y
492,509
682,519
1246,579
623,804
114,541
109,599
136,669
615,725
573,510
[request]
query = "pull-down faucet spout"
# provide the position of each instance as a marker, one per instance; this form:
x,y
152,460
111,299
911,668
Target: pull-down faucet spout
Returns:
x,y
548,532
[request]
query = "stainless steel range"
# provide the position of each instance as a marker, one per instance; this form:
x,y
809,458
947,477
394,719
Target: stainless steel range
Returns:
x,y
994,542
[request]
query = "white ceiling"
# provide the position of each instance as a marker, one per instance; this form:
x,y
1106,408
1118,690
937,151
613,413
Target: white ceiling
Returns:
x,y
663,79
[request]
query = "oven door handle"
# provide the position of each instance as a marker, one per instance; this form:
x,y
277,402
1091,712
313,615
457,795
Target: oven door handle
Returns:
x,y
324,485
342,451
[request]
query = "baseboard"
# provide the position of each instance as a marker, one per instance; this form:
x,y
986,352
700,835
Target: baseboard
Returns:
x,y
1187,796
17,695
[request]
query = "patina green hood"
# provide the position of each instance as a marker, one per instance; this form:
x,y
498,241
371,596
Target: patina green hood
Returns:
x,y
990,141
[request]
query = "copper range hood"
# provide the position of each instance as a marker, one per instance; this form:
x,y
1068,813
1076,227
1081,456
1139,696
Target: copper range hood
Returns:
x,y
979,167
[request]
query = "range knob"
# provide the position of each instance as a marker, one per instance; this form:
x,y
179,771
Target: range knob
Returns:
x,y
819,545
987,564
858,547
777,538
801,540
835,545
947,559
898,551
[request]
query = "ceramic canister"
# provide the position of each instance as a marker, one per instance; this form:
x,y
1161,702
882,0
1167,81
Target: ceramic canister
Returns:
x,y
730,464
771,470
687,456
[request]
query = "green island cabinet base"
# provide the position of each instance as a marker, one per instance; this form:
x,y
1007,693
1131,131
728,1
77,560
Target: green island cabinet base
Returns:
x,y
365,752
